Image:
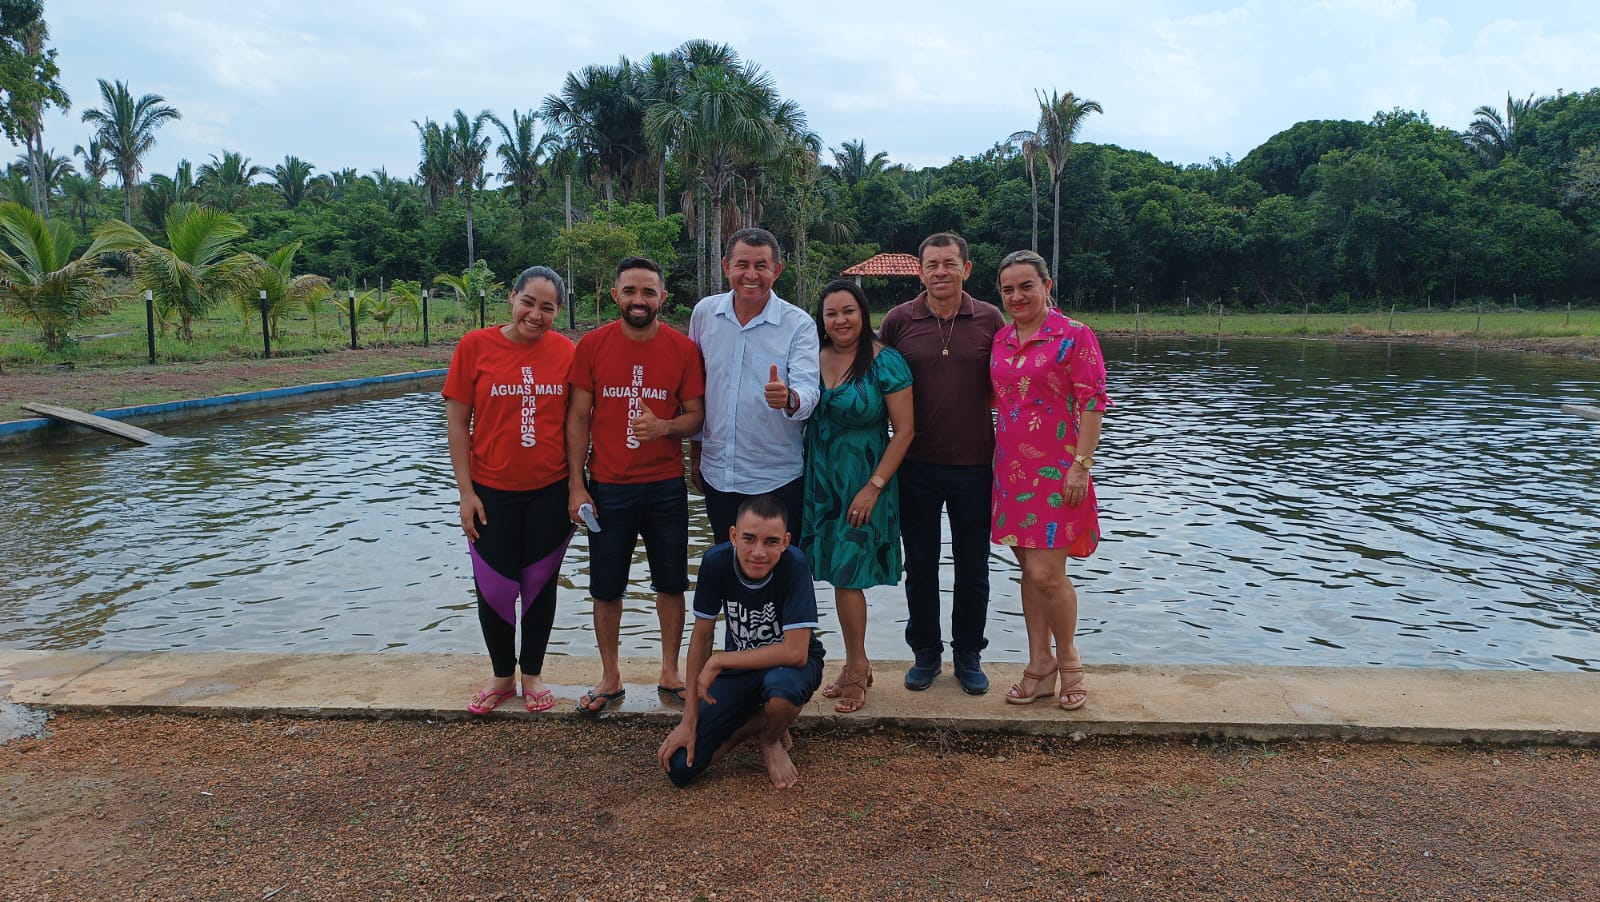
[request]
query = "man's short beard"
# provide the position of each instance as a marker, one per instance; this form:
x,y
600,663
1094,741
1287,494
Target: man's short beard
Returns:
x,y
628,316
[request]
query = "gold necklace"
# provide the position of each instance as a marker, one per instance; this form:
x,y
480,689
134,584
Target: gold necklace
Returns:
x,y
944,340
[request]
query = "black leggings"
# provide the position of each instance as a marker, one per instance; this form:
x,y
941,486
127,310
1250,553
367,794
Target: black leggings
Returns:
x,y
522,529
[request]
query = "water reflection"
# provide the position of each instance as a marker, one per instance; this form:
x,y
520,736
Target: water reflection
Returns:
x,y
1266,502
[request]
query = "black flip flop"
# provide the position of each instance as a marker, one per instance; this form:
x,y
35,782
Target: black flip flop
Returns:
x,y
605,698
672,696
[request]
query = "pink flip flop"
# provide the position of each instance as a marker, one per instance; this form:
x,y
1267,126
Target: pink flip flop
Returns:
x,y
489,699
542,700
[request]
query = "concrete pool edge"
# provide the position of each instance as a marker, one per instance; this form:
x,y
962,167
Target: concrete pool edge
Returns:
x,y
36,428
1190,701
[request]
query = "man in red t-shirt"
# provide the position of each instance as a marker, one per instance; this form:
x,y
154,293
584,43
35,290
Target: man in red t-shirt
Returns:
x,y
638,390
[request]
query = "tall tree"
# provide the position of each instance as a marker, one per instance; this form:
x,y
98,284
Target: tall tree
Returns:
x,y
1028,143
1495,137
1060,118
29,84
602,119
125,127
292,179
721,117
524,152
225,181
469,149
437,166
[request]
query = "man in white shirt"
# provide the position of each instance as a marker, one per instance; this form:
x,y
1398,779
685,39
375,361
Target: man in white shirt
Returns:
x,y
762,381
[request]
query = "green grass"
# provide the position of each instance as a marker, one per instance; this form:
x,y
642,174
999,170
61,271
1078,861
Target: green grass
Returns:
x,y
121,337
1497,325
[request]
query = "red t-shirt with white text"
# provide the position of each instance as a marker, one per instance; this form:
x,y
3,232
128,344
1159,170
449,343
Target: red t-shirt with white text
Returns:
x,y
625,376
518,396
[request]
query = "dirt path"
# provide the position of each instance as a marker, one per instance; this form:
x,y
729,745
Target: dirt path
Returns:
x,y
161,807
97,388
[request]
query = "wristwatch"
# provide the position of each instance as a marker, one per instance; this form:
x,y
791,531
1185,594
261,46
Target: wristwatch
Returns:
x,y
878,482
1085,460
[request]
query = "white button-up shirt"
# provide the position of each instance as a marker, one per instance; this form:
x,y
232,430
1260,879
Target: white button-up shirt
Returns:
x,y
748,447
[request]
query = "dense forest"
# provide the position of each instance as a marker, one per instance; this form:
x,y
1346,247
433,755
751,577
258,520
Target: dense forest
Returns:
x,y
668,154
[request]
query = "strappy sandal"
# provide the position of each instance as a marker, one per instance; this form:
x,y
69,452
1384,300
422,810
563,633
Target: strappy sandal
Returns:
x,y
1073,694
1041,688
849,704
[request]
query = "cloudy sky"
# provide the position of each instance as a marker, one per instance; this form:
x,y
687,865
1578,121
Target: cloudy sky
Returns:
x,y
339,82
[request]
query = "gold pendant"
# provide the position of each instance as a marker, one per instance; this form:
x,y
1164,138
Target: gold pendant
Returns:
x,y
945,352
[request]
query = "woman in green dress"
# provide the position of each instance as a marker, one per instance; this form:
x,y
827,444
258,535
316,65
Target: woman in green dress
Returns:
x,y
852,506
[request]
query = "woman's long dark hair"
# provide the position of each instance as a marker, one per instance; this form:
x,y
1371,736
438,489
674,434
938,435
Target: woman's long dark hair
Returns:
x,y
863,362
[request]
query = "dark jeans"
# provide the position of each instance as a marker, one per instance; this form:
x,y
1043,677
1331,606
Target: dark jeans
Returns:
x,y
925,490
723,507
740,694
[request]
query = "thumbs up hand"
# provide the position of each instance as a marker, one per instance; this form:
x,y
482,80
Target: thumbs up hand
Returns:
x,y
777,392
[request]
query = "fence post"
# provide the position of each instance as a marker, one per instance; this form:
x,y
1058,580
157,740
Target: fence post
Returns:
x,y
266,333
352,319
1391,319
481,300
150,320
1136,319
1479,335
424,317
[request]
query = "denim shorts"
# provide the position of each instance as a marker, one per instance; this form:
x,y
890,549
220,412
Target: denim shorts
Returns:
x,y
658,511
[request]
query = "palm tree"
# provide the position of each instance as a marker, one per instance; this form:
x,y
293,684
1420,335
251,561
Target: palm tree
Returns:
x,y
852,166
602,119
292,179
40,281
198,268
286,291
1495,137
165,192
436,168
721,117
46,170
1028,143
126,129
225,182
468,150
81,197
523,153
1060,118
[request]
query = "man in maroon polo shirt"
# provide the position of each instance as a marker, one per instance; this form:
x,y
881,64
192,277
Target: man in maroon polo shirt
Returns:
x,y
945,334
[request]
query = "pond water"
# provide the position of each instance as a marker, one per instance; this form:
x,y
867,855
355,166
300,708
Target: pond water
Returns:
x,y
1286,502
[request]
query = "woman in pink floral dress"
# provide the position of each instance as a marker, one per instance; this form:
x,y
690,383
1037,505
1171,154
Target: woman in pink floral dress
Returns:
x,y
1050,391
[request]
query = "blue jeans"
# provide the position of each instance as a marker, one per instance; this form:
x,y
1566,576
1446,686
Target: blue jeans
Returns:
x,y
925,491
740,694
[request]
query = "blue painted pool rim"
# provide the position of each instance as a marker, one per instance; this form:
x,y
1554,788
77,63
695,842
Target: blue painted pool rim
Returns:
x,y
19,428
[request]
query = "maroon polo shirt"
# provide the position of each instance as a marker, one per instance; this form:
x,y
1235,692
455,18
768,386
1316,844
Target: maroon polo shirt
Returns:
x,y
951,397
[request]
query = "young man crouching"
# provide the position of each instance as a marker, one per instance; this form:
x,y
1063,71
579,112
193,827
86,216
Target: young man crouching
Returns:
x,y
772,659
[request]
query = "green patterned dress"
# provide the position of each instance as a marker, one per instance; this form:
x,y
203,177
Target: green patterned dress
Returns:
x,y
845,438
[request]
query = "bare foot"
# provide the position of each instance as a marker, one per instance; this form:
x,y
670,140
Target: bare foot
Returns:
x,y
780,770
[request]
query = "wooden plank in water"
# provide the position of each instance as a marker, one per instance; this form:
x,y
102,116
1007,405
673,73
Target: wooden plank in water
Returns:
x,y
1579,410
110,427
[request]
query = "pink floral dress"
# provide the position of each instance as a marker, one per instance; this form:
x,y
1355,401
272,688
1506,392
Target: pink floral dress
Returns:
x,y
1041,389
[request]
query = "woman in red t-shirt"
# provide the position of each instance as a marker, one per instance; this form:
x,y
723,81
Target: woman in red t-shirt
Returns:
x,y
506,409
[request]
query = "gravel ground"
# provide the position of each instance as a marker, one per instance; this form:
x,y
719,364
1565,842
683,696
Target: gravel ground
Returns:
x,y
160,807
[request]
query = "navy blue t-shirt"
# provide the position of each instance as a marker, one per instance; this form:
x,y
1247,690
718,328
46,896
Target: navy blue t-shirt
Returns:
x,y
757,613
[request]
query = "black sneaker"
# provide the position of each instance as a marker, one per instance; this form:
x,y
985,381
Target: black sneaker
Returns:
x,y
968,673
921,674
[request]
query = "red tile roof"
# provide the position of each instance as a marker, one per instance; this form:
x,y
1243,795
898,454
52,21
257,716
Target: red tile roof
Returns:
x,y
885,265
